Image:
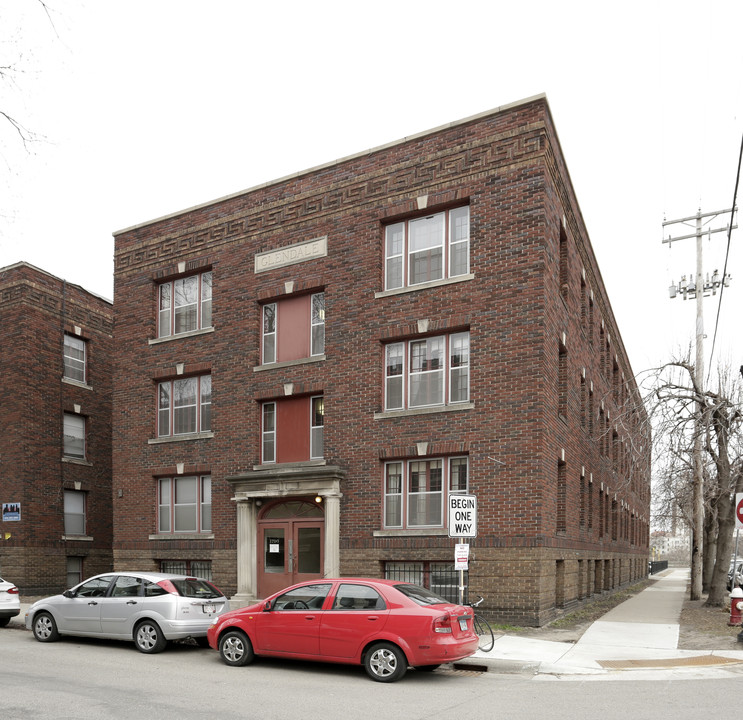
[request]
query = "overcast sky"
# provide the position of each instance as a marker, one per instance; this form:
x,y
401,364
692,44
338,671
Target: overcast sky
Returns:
x,y
147,107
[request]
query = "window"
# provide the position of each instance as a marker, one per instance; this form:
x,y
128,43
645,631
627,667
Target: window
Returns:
x,y
185,504
428,248
440,578
316,428
269,433
357,597
74,571
318,324
74,512
423,373
184,406
302,598
292,429
415,490
293,329
185,305
74,358
74,436
196,568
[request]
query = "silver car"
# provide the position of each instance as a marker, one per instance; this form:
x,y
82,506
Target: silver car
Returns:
x,y
10,602
148,608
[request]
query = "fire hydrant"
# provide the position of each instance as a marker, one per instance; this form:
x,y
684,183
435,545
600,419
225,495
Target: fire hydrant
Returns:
x,y
736,607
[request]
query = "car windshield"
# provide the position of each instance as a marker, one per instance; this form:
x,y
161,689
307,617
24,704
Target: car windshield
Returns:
x,y
421,595
193,588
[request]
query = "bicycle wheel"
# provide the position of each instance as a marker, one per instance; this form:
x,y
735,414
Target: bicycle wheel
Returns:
x,y
484,633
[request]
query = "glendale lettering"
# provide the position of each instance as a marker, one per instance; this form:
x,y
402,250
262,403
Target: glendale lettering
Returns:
x,y
293,254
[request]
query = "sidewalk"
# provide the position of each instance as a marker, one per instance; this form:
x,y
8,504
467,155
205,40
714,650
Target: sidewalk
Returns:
x,y
639,635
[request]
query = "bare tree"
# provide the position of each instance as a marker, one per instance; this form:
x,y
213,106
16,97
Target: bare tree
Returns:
x,y
9,72
683,412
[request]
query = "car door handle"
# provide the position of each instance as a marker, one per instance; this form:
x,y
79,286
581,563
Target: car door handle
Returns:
x,y
309,617
372,617
131,602
92,602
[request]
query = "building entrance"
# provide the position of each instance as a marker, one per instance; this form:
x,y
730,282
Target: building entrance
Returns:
x,y
291,544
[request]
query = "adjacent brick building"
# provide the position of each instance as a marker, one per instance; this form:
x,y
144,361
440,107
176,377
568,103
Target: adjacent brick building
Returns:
x,y
307,370
55,448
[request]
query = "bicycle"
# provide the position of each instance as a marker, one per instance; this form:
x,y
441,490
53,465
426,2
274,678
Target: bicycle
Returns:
x,y
482,628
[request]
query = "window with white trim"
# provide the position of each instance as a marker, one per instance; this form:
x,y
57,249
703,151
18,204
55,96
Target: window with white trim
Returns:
x,y
415,490
268,433
428,372
184,406
74,436
426,249
293,328
74,512
74,358
184,305
185,504
317,421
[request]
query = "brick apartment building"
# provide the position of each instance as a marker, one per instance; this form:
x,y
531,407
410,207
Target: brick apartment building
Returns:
x,y
306,370
55,449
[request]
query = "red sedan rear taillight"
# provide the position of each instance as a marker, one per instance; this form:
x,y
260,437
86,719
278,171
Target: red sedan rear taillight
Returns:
x,y
442,624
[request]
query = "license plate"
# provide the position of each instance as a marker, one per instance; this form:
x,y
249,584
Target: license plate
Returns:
x,y
463,624
209,609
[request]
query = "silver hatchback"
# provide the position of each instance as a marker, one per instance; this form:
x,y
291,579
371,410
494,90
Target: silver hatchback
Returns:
x,y
147,608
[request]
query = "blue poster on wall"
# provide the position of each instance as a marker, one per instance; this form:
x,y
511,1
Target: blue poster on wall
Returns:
x,y
11,512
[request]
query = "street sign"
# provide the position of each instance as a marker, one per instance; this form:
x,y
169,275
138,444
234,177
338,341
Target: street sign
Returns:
x,y
739,510
462,516
461,556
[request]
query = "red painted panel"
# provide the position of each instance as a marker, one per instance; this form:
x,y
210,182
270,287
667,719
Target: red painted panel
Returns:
x,y
294,320
293,429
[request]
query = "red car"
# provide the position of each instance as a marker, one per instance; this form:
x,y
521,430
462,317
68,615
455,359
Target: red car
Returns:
x,y
384,625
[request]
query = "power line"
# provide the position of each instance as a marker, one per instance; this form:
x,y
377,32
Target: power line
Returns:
x,y
727,254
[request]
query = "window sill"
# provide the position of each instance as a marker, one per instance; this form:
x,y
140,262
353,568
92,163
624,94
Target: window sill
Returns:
x,y
289,465
77,383
418,532
182,536
80,538
289,363
423,411
180,438
425,286
180,336
76,461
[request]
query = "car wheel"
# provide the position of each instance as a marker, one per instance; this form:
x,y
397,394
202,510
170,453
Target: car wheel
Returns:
x,y
149,638
235,648
44,627
385,662
4,621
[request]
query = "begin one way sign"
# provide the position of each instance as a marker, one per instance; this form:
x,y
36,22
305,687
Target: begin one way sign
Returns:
x,y
462,516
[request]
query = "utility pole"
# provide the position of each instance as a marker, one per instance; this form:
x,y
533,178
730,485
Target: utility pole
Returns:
x,y
697,289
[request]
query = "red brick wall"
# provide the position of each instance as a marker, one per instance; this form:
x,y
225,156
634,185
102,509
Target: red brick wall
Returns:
x,y
508,167
35,311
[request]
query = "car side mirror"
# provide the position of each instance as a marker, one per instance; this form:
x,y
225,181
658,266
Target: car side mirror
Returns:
x,y
68,594
267,606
